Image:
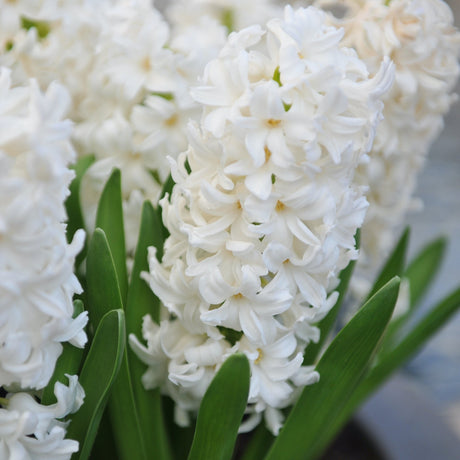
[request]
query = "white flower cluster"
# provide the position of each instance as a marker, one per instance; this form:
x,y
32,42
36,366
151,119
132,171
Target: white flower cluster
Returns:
x,y
37,282
234,15
129,90
263,214
421,40
31,431
128,77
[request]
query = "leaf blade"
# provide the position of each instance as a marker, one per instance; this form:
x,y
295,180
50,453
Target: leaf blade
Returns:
x,y
97,376
72,203
219,418
109,218
142,301
422,270
102,290
394,265
341,367
420,273
424,329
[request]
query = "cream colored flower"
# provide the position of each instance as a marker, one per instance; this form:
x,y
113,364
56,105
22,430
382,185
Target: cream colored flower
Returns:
x,y
262,216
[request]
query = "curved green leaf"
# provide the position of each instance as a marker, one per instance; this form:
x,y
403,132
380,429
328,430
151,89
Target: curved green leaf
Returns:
x,y
394,265
422,270
167,189
68,363
103,293
110,219
124,417
258,444
75,219
102,290
97,376
309,427
221,411
420,273
72,204
142,301
419,335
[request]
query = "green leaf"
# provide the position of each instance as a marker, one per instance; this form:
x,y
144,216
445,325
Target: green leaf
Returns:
x,y
258,444
395,263
72,204
102,290
68,363
75,219
221,411
423,269
97,376
110,219
103,293
308,428
124,417
420,274
142,301
326,324
167,189
104,445
414,340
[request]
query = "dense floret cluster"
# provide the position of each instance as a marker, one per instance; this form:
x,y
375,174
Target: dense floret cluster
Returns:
x,y
37,280
421,40
265,217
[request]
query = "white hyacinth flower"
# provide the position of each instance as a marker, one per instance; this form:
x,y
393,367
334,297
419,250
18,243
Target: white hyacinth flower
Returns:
x,y
31,431
37,282
264,211
424,45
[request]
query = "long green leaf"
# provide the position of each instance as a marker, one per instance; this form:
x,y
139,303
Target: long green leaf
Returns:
x,y
414,340
102,290
68,363
167,189
72,204
394,265
258,445
103,293
221,411
142,301
308,427
73,208
423,269
420,273
124,417
325,325
97,376
390,362
110,219
182,437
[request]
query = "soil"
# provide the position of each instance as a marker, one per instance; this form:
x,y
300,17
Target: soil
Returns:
x,y
353,443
